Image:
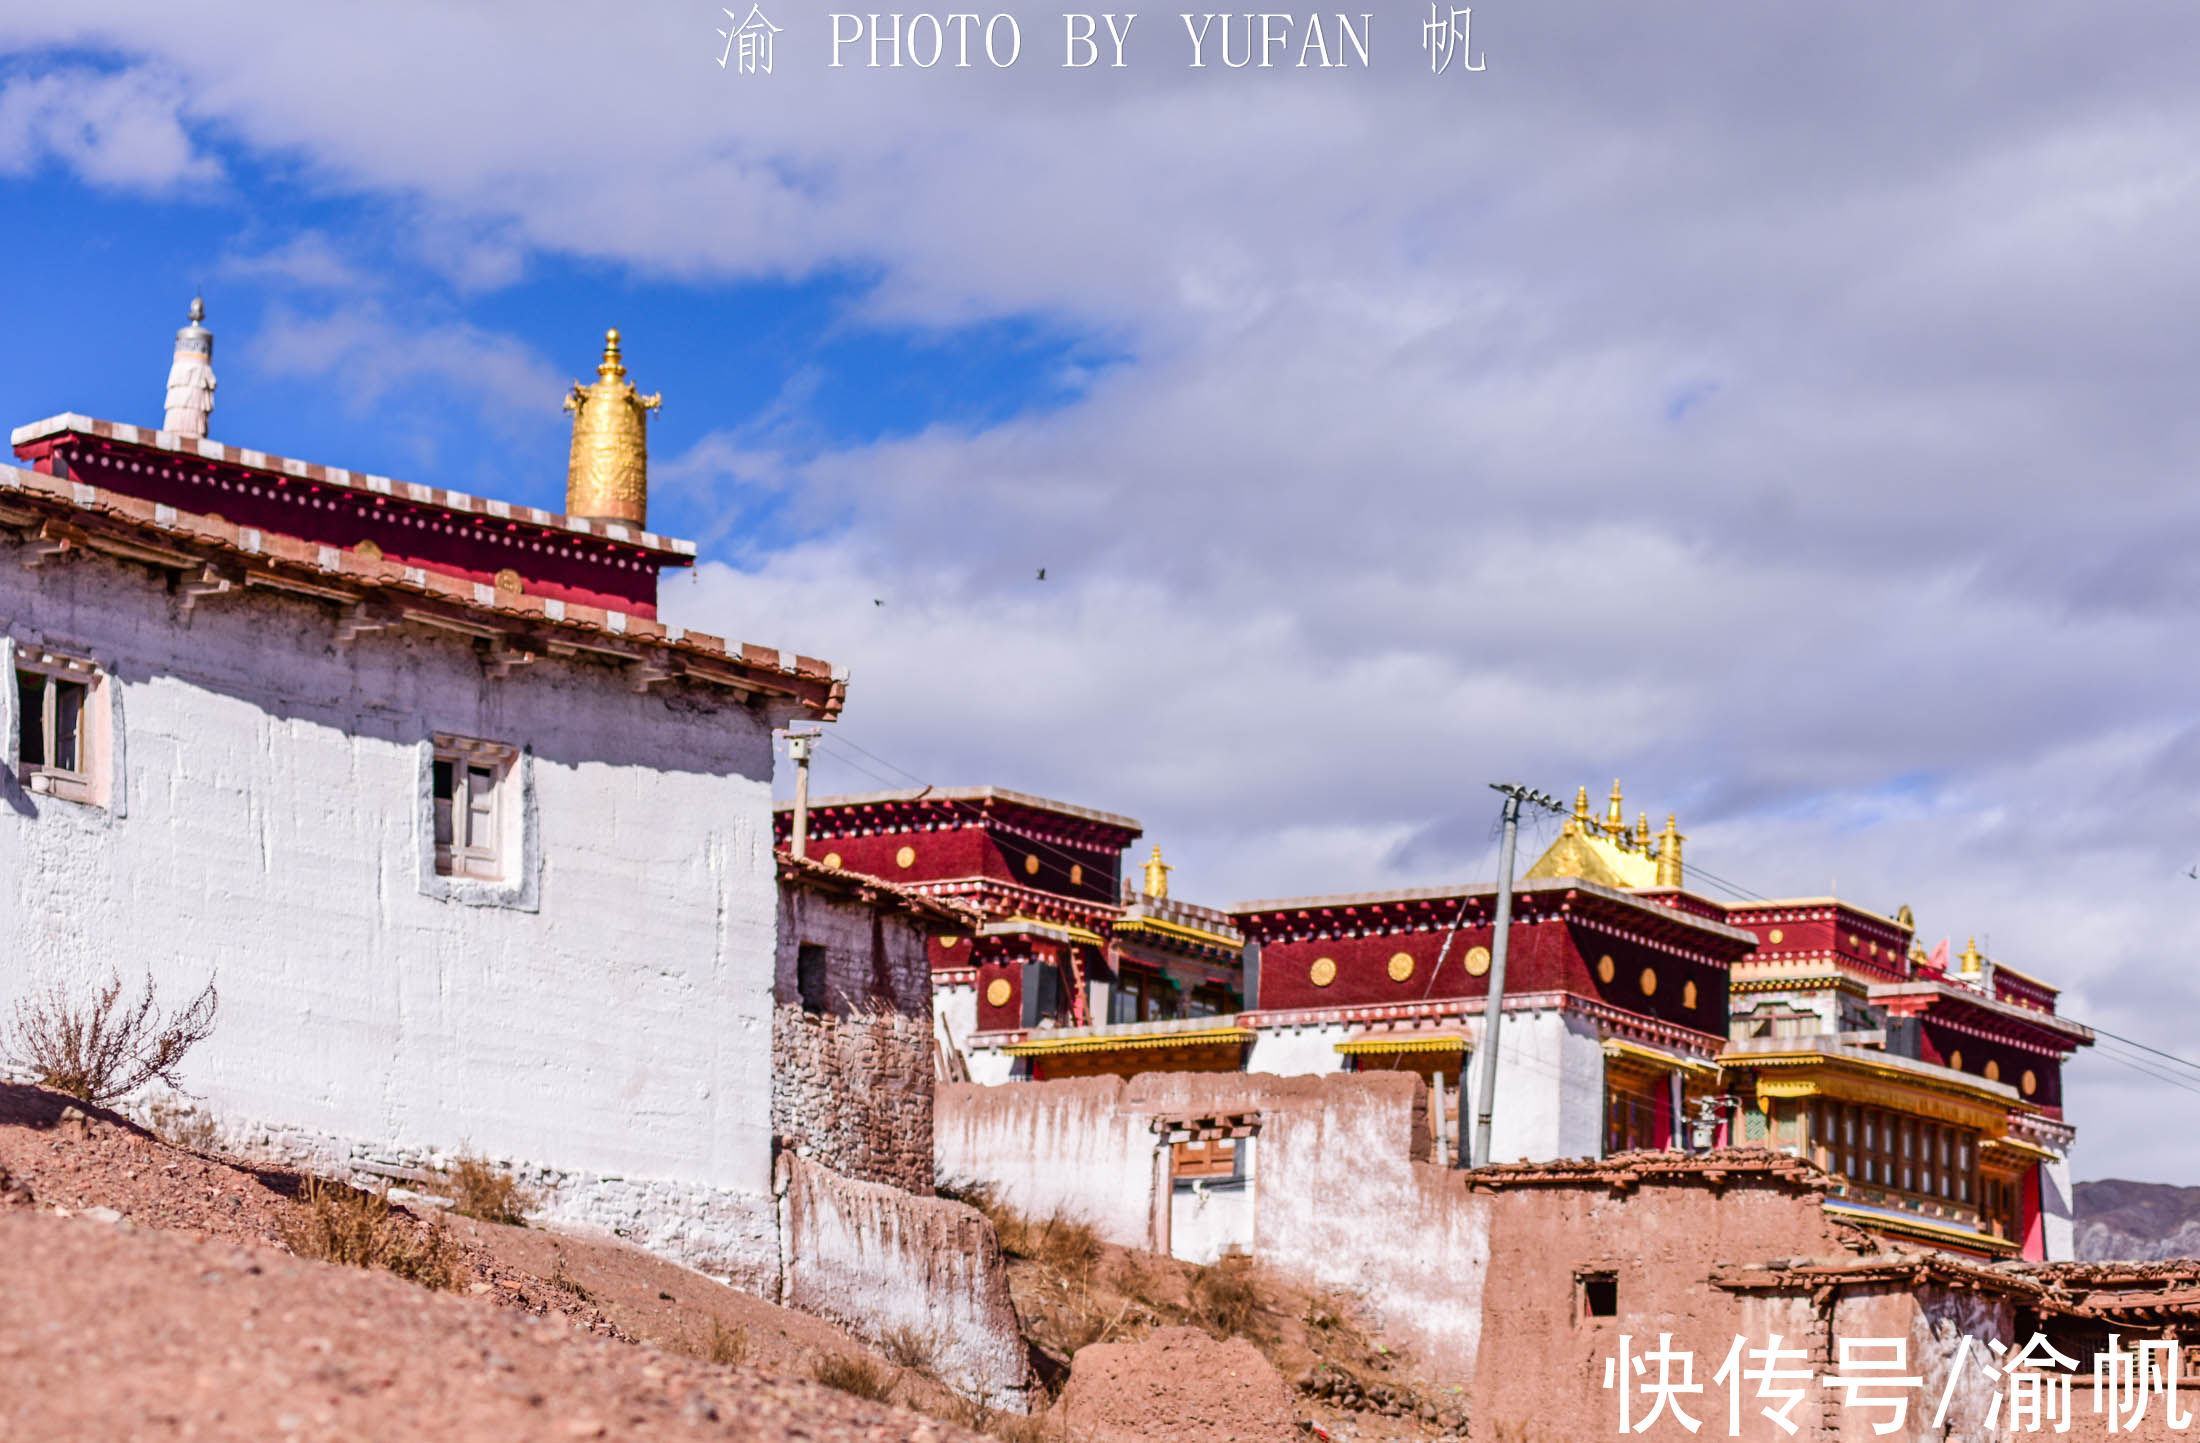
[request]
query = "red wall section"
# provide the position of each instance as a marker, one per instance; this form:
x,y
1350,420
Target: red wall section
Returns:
x,y
1545,956
1942,1043
966,851
584,570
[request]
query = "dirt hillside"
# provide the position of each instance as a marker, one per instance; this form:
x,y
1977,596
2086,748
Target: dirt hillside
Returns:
x,y
152,1295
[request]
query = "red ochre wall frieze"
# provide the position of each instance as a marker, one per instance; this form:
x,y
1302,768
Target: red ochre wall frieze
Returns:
x,y
1085,875
1558,955
583,570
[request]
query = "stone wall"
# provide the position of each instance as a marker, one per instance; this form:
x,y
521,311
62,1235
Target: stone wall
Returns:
x,y
880,1262
852,1082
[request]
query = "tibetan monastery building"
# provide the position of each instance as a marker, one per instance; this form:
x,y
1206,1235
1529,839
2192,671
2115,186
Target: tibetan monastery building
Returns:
x,y
1638,1015
1068,941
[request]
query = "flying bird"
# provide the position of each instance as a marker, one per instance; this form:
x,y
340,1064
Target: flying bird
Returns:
x,y
1042,573
876,602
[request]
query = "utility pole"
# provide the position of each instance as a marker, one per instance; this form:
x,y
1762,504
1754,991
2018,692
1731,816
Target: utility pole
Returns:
x,y
1493,1010
798,747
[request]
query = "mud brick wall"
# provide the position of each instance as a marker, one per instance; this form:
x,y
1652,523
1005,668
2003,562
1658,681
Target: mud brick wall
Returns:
x,y
852,1081
881,1263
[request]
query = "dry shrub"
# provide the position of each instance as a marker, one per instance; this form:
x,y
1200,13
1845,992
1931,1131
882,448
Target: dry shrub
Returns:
x,y
104,1047
851,1373
1225,1297
912,1349
1069,1245
725,1345
339,1224
564,1281
481,1190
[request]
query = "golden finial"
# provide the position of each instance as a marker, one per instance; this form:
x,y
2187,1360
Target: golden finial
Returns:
x,y
1157,874
607,477
1669,853
1580,822
1615,819
1970,962
1642,831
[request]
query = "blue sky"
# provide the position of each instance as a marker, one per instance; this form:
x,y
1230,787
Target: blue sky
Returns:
x,y
1791,417
790,361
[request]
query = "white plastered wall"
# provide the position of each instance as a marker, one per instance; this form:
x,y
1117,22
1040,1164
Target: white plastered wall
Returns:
x,y
1550,1087
608,1031
1550,1084
2058,1211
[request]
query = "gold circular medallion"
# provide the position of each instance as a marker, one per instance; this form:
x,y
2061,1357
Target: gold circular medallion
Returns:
x,y
1649,981
1688,995
1401,966
906,857
996,992
1605,970
1323,972
1776,936
367,551
2028,1083
508,582
1076,874
1993,1070
1478,961
1955,1059
832,859
1031,865
947,941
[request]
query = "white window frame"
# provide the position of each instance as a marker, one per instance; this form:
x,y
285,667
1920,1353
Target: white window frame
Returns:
x,y
84,782
472,823
486,855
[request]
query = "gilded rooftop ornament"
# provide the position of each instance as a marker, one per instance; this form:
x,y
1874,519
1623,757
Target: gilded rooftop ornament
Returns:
x,y
607,478
1157,874
1610,852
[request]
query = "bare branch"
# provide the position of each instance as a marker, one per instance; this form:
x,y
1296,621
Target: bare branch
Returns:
x,y
105,1047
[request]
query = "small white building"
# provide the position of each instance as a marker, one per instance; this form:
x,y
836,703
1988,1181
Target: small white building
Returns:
x,y
478,851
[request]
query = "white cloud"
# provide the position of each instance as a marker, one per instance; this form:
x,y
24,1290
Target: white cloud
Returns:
x,y
121,130
365,352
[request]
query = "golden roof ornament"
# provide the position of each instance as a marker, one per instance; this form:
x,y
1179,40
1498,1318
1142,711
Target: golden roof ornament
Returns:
x,y
1669,852
607,478
1615,818
1157,874
1971,962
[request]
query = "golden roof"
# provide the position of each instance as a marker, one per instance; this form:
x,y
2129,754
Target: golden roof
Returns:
x,y
1609,851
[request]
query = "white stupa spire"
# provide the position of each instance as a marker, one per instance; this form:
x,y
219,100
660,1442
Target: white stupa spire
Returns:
x,y
191,378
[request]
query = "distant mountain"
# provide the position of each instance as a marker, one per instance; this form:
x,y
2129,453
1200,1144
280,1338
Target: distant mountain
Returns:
x,y
2122,1221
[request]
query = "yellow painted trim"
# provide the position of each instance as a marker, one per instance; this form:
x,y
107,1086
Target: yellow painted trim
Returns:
x,y
1921,1227
1067,929
1176,929
1666,1061
1141,1042
2025,1149
1406,1042
1986,1118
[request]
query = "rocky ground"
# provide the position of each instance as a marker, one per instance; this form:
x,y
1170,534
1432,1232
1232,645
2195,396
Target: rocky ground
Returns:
x,y
150,1289
146,1292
